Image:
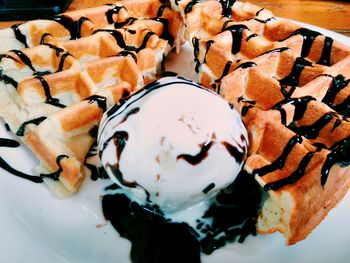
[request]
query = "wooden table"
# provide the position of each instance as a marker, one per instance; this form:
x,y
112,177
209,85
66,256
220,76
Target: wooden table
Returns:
x,y
333,15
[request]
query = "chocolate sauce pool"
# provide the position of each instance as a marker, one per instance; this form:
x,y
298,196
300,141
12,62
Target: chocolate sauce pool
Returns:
x,y
155,238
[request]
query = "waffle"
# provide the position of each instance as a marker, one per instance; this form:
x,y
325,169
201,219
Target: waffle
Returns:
x,y
58,76
291,86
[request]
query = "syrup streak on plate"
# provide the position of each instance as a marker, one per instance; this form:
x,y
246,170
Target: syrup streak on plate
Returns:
x,y
36,227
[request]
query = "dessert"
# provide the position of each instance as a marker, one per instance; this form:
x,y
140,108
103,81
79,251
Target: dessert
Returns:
x,y
291,85
59,75
163,144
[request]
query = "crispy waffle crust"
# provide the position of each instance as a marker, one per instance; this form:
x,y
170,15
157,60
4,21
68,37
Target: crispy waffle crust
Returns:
x,y
291,86
58,76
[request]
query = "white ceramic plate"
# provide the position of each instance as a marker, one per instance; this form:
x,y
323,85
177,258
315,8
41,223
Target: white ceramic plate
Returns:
x,y
36,227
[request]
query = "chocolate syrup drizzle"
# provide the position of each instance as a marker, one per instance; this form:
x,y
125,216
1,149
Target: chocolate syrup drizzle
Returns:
x,y
57,49
325,58
340,154
309,37
125,53
7,127
19,35
55,175
120,139
25,59
169,74
246,108
225,72
344,107
129,21
337,123
93,133
49,99
7,79
166,30
275,50
312,131
234,152
21,129
207,45
74,27
258,13
115,10
248,64
96,172
4,142
288,85
264,21
4,165
237,34
280,161
294,177
118,36
300,107
147,89
161,10
62,60
338,83
100,100
293,78
198,158
251,36
195,43
190,6
227,7
58,52
131,112
208,188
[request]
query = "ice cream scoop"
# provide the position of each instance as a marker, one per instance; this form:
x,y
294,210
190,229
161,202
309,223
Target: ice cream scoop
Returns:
x,y
172,144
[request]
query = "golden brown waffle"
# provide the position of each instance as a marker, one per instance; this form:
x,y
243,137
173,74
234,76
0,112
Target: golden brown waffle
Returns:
x,y
58,76
291,86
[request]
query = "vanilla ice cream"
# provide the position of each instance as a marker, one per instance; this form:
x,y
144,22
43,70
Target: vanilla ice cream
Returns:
x,y
172,144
